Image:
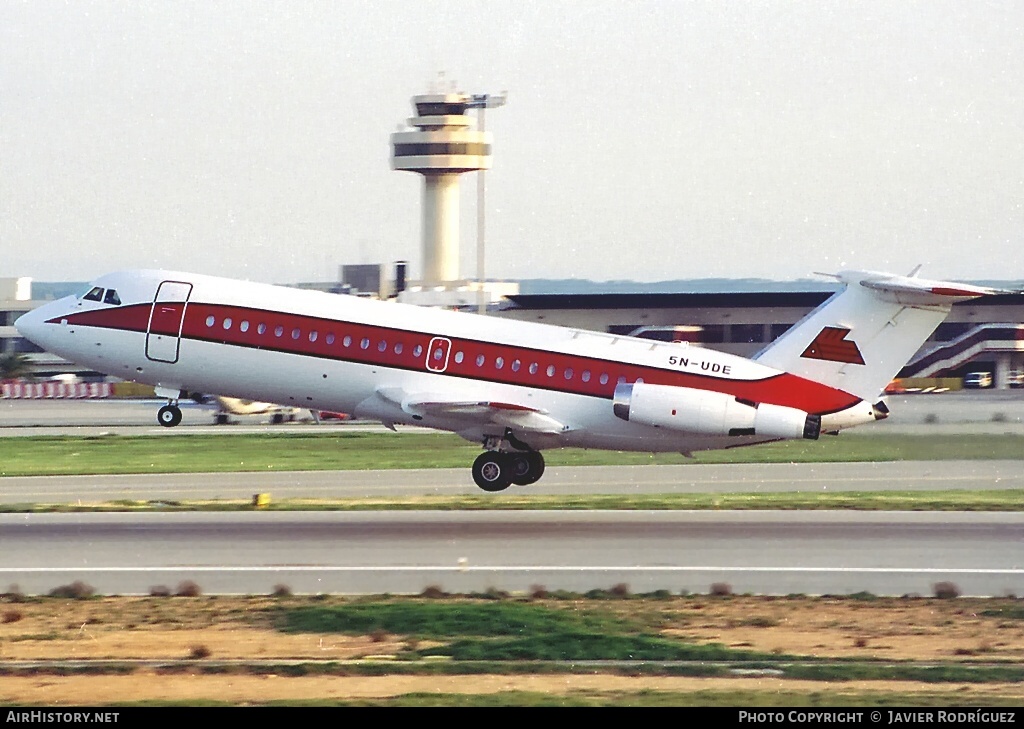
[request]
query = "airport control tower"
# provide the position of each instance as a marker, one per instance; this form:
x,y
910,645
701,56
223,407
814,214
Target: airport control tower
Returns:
x,y
441,147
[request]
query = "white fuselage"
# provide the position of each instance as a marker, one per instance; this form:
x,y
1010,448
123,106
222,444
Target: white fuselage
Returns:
x,y
188,332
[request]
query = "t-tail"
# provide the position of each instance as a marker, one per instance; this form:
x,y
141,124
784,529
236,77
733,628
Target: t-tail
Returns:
x,y
860,338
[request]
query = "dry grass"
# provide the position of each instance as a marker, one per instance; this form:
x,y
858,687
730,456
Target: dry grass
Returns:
x,y
225,628
239,627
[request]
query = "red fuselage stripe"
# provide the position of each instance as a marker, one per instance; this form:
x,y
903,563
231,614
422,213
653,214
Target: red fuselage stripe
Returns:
x,y
467,358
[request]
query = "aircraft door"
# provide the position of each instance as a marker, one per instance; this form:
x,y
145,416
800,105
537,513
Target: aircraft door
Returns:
x,y
437,354
163,335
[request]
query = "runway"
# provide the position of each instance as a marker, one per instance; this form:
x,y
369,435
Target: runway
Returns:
x,y
567,480
770,553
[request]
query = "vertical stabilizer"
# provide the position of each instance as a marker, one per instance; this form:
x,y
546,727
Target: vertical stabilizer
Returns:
x,y
859,339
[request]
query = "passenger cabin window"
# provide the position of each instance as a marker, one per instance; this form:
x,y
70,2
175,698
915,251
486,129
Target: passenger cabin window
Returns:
x,y
95,294
112,297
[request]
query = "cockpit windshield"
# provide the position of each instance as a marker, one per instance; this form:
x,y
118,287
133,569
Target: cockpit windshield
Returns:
x,y
107,296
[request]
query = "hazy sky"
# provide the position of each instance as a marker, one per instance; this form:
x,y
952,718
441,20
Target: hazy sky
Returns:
x,y
641,140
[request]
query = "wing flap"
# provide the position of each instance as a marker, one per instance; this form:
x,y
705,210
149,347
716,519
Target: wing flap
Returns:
x,y
506,415
522,418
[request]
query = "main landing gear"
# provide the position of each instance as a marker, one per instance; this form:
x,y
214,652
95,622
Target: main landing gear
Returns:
x,y
499,466
496,470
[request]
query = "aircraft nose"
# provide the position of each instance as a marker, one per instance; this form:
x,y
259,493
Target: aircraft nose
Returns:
x,y
33,324
28,324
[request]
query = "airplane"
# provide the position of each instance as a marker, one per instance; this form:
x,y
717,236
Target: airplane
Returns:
x,y
516,388
229,406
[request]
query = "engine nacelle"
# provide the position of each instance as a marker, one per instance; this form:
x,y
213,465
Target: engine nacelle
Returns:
x,y
710,413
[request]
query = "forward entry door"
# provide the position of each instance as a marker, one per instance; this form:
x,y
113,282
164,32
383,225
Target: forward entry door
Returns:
x,y
163,335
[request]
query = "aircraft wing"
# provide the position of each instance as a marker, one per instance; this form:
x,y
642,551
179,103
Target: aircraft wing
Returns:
x,y
522,418
519,417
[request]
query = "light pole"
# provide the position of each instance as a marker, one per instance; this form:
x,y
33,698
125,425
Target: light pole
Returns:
x,y
482,102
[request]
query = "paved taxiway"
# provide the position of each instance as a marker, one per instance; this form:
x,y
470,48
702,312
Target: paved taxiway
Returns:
x,y
404,552
688,478
984,411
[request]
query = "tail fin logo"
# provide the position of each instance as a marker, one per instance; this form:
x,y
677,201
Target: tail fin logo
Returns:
x,y
832,345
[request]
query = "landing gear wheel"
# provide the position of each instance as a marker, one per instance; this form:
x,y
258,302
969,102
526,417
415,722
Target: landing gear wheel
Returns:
x,y
527,468
168,416
492,471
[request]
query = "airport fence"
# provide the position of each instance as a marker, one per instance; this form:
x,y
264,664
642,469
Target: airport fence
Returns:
x,y
55,390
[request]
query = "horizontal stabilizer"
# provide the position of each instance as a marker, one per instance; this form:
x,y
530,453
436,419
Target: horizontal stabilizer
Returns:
x,y
911,291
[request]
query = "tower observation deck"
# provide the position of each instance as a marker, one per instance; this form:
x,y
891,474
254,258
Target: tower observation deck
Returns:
x,y
441,147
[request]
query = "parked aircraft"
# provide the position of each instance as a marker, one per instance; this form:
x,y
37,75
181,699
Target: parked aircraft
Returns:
x,y
236,406
516,388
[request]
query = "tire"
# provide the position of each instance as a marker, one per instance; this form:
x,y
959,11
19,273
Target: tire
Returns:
x,y
492,471
168,416
220,419
277,418
527,468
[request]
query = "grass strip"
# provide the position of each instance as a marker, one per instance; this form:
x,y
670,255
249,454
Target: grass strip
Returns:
x,y
112,454
653,698
770,698
823,670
